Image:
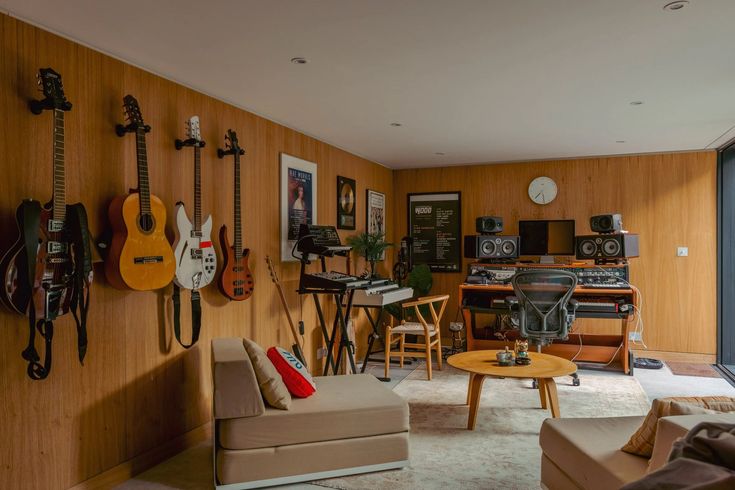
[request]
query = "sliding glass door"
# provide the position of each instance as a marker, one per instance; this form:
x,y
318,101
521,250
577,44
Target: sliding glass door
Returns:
x,y
726,262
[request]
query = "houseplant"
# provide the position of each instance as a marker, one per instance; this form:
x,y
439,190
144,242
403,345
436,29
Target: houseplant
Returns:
x,y
371,246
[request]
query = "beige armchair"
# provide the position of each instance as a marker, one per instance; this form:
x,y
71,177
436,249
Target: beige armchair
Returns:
x,y
429,331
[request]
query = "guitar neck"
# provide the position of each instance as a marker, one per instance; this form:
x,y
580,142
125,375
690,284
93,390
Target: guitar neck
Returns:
x,y
59,199
197,189
143,185
238,224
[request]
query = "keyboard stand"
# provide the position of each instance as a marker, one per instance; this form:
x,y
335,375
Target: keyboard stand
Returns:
x,y
344,342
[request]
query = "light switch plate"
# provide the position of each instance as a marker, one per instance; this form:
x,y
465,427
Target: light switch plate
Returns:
x,y
682,252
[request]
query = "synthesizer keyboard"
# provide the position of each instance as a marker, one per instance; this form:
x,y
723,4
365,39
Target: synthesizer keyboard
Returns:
x,y
381,293
330,281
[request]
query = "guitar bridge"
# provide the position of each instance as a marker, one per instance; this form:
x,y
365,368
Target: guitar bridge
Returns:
x,y
55,225
56,247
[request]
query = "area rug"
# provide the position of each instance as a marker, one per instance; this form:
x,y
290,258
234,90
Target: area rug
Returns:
x,y
692,369
503,450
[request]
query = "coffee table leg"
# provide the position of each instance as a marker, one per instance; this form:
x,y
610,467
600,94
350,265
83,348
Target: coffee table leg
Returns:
x,y
542,393
469,388
475,395
552,396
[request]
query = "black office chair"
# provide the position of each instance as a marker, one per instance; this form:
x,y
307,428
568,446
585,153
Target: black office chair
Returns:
x,y
544,304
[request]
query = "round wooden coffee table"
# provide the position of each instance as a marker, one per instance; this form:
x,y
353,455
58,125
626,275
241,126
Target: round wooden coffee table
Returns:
x,y
481,363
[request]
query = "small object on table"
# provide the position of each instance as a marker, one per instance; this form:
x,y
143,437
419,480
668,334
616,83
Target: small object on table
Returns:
x,y
505,357
521,350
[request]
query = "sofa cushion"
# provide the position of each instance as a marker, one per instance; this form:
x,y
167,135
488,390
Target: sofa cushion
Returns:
x,y
236,392
356,405
295,376
588,450
672,428
641,442
271,385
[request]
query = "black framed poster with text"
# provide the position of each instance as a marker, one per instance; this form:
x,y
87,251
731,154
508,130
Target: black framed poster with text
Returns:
x,y
435,224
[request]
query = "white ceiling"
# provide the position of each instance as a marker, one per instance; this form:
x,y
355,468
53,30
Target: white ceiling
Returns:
x,y
479,80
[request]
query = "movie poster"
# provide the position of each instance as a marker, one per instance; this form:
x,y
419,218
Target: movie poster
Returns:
x,y
375,213
298,200
435,224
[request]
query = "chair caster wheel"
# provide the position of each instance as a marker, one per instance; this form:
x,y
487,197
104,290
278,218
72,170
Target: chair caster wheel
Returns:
x,y
534,384
575,382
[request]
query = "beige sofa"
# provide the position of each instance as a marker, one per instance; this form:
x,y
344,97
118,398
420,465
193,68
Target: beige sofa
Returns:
x,y
585,453
352,424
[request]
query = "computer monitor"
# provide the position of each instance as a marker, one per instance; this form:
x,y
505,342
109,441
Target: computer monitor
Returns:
x,y
547,237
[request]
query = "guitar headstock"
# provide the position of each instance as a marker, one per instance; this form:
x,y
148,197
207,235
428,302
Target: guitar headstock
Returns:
x,y
192,129
193,134
133,116
271,269
232,146
49,82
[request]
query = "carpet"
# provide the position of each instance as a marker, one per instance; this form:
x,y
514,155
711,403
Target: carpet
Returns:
x,y
503,450
692,369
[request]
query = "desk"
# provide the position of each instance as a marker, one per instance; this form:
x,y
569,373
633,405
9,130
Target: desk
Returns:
x,y
477,299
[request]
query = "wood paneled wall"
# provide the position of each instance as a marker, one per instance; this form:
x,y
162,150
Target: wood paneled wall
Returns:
x,y
137,389
669,199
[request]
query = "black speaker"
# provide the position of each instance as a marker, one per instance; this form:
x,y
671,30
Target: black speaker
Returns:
x,y
491,246
606,247
489,224
607,223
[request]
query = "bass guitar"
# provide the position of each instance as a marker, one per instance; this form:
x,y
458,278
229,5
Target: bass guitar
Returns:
x,y
196,261
236,281
140,257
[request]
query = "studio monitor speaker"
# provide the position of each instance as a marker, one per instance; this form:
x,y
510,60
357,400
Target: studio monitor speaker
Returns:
x,y
607,223
491,246
606,247
489,224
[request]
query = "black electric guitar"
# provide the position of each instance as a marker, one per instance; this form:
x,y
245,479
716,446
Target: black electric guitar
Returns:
x,y
37,270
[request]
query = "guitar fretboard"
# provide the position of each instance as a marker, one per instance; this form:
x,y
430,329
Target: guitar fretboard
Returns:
x,y
197,189
59,198
238,224
143,186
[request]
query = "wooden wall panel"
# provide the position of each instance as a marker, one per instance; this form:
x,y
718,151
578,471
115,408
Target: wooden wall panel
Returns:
x,y
670,199
138,388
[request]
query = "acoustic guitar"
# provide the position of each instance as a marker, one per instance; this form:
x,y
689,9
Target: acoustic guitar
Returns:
x,y
140,256
196,261
50,284
236,281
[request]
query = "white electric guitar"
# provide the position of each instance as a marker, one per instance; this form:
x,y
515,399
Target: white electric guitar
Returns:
x,y
196,261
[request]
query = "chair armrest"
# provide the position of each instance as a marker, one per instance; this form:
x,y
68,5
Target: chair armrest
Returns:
x,y
572,306
512,302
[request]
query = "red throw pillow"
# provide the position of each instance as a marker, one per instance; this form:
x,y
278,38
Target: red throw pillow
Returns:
x,y
294,373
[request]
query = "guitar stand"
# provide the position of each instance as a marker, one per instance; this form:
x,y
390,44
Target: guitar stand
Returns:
x,y
340,322
375,324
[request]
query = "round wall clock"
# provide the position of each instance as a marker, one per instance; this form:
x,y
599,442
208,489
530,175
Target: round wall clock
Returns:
x,y
542,190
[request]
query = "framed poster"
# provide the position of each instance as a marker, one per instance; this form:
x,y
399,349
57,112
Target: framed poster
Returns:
x,y
435,224
345,203
375,213
298,200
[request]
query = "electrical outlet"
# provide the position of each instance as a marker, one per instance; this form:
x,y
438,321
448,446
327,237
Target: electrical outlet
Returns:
x,y
321,352
682,251
635,337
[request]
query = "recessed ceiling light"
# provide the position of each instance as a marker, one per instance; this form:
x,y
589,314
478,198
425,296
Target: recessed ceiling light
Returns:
x,y
620,141
440,153
299,61
637,102
676,5
396,125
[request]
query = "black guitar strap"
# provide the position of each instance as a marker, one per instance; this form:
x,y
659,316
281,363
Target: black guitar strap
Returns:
x,y
28,216
196,316
82,256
